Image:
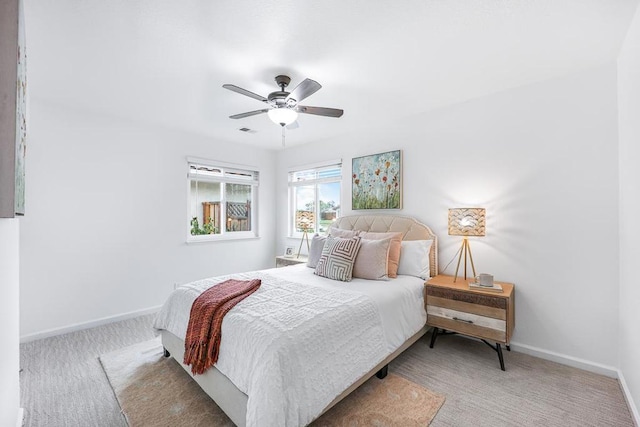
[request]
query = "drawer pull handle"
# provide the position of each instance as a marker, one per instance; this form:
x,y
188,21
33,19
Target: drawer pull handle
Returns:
x,y
463,320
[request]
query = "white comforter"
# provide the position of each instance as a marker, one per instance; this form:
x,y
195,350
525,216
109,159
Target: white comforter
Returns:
x,y
301,340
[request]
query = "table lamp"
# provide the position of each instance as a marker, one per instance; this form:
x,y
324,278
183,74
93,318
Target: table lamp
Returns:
x,y
466,222
304,221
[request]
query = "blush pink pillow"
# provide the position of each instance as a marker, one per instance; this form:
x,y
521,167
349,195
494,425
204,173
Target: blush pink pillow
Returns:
x,y
394,248
373,260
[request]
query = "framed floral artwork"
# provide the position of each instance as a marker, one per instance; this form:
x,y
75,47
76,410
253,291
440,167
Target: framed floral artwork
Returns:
x,y
21,117
376,181
13,78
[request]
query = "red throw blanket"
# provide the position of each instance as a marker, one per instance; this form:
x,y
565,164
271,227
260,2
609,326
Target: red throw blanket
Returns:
x,y
202,344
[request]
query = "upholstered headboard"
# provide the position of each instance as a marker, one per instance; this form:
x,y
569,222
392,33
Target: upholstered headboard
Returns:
x,y
410,227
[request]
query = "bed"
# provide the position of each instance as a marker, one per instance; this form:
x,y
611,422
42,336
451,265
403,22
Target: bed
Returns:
x,y
302,343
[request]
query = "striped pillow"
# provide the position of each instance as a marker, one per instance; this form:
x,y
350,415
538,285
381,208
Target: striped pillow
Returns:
x,y
338,256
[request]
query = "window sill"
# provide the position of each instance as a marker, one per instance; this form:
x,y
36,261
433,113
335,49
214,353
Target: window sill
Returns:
x,y
221,238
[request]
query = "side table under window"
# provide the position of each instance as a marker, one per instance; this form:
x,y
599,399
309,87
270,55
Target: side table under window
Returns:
x,y
283,261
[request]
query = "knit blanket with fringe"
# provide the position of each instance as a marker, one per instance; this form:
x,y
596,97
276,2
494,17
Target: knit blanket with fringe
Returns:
x,y
202,343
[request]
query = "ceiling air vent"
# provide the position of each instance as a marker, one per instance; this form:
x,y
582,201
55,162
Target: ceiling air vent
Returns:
x,y
247,130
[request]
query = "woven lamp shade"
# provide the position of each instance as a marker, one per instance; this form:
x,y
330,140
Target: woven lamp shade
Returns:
x,y
305,220
467,222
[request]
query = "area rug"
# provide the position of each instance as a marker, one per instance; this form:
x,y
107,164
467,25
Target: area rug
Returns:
x,y
155,391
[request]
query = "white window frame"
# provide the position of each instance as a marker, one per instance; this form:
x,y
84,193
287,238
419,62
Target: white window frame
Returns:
x,y
292,185
226,177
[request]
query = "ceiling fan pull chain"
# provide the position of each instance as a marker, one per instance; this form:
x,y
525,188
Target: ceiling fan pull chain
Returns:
x,y
282,135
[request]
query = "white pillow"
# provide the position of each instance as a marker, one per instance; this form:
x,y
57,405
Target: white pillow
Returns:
x,y
414,258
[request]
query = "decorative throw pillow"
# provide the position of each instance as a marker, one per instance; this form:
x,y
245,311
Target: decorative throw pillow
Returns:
x,y
338,256
373,257
315,250
394,248
345,234
414,258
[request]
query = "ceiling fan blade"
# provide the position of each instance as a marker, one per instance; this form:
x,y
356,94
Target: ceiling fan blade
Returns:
x,y
320,111
248,114
306,88
245,92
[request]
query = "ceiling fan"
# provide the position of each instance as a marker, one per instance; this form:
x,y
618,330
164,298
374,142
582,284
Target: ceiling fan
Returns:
x,y
283,106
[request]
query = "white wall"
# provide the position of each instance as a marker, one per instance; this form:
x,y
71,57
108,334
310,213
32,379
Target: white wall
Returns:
x,y
10,354
9,228
629,113
543,160
108,217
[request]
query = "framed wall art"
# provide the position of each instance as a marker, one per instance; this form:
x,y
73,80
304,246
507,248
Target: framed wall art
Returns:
x,y
376,181
13,120
21,117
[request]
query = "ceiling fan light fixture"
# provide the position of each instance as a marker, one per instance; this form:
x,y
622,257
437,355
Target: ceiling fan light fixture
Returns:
x,y
282,116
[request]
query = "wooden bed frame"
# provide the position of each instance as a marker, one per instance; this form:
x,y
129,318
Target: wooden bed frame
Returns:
x,y
234,402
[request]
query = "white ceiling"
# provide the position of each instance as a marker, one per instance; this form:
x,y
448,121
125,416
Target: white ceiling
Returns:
x,y
164,62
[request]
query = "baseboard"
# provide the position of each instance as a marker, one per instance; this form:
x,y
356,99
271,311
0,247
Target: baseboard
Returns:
x,y
564,359
86,325
20,419
630,403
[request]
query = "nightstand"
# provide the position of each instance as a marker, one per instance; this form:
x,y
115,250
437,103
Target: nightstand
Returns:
x,y
283,261
486,315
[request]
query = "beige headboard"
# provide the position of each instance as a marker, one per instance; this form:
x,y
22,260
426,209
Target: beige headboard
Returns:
x,y
410,227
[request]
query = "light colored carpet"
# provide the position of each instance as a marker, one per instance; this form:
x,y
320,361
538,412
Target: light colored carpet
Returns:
x,y
63,383
532,392
155,391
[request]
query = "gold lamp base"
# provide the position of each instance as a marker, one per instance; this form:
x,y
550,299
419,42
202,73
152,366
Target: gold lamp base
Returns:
x,y
305,236
466,249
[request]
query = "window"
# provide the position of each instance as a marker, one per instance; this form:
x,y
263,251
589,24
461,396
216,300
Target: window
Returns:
x,y
222,201
314,198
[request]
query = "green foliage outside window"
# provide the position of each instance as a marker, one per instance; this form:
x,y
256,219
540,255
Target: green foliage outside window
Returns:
x,y
207,228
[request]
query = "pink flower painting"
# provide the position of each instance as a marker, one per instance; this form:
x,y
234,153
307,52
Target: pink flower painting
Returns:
x,y
376,181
